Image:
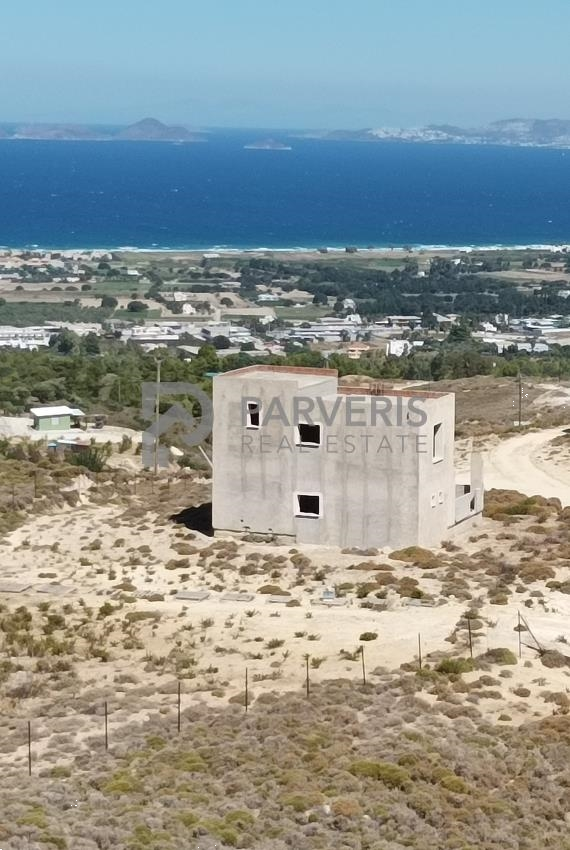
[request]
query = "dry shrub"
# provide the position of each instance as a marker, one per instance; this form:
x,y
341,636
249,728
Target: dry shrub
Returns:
x,y
553,658
534,571
415,555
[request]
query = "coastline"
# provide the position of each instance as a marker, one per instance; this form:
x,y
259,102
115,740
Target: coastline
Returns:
x,y
320,250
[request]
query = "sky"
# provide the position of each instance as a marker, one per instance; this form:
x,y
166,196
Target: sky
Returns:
x,y
284,63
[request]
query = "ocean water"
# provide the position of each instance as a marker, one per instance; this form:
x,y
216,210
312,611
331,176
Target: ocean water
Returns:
x,y
321,193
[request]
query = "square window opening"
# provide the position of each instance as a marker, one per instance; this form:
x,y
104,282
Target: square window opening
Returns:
x,y
308,435
308,505
253,414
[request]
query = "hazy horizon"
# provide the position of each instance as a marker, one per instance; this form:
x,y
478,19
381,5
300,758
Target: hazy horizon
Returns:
x,y
253,64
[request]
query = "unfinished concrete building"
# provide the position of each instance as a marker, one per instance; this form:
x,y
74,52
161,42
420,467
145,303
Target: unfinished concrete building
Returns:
x,y
302,458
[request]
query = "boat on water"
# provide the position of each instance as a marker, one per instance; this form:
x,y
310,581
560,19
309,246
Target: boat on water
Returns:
x,y
267,145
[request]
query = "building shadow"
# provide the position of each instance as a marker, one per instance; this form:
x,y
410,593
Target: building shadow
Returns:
x,y
196,518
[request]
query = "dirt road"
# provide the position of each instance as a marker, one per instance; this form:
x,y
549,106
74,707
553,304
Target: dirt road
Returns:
x,y
522,463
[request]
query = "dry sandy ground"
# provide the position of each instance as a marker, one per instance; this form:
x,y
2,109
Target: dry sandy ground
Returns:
x,y
91,550
21,426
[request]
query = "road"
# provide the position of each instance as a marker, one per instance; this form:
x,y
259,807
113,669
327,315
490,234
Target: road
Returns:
x,y
519,463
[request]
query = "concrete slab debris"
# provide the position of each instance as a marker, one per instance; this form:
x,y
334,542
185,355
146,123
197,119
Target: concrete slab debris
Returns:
x,y
13,587
193,595
55,589
238,597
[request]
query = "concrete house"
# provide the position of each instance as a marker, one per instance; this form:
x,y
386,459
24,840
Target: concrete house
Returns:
x,y
297,456
60,418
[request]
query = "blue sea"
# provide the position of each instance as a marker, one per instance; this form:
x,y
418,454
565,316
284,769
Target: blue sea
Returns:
x,y
320,193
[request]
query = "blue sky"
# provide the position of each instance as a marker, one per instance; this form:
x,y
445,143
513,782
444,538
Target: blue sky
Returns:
x,y
284,63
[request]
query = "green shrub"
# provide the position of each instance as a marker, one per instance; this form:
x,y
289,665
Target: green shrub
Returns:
x,y
455,666
391,775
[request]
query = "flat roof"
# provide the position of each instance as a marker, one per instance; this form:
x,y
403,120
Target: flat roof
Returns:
x,y
304,375
62,410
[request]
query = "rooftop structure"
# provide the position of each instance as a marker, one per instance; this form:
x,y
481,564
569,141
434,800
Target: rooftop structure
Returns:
x,y
299,457
56,418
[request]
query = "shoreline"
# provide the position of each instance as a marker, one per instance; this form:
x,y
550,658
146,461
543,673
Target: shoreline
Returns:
x,y
321,250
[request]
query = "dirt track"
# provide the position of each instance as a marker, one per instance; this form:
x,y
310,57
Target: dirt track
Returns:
x,y
519,463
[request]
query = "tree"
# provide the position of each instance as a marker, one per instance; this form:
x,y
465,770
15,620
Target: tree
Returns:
x,y
109,303
90,344
459,332
65,342
137,306
219,342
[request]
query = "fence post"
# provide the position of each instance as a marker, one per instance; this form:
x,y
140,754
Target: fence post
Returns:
x,y
470,638
106,726
420,650
29,748
179,706
363,665
246,690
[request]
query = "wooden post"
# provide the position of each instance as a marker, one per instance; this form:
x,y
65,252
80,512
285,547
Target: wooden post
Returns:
x,y
29,748
420,650
246,690
470,638
35,484
157,417
307,681
106,726
179,701
519,631
13,497
363,665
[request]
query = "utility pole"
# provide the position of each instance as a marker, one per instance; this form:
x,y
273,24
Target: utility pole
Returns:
x,y
157,417
520,400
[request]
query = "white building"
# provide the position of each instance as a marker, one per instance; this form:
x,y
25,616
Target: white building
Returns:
x,y
301,458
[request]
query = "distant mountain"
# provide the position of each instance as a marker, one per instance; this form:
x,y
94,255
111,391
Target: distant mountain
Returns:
x,y
151,130
520,132
57,132
147,130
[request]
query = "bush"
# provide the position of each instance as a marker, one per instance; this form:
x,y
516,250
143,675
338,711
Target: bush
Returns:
x,y
391,775
455,666
500,655
415,555
273,590
368,636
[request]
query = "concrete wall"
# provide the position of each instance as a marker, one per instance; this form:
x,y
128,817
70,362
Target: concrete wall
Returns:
x,y
436,480
378,483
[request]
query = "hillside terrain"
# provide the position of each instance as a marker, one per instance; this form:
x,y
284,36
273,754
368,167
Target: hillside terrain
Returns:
x,y
518,132
428,708
147,130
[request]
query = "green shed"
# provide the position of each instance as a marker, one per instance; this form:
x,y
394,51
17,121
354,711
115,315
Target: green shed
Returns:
x,y
60,418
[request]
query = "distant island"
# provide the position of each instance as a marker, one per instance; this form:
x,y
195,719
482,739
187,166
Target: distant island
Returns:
x,y
147,130
516,132
268,145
